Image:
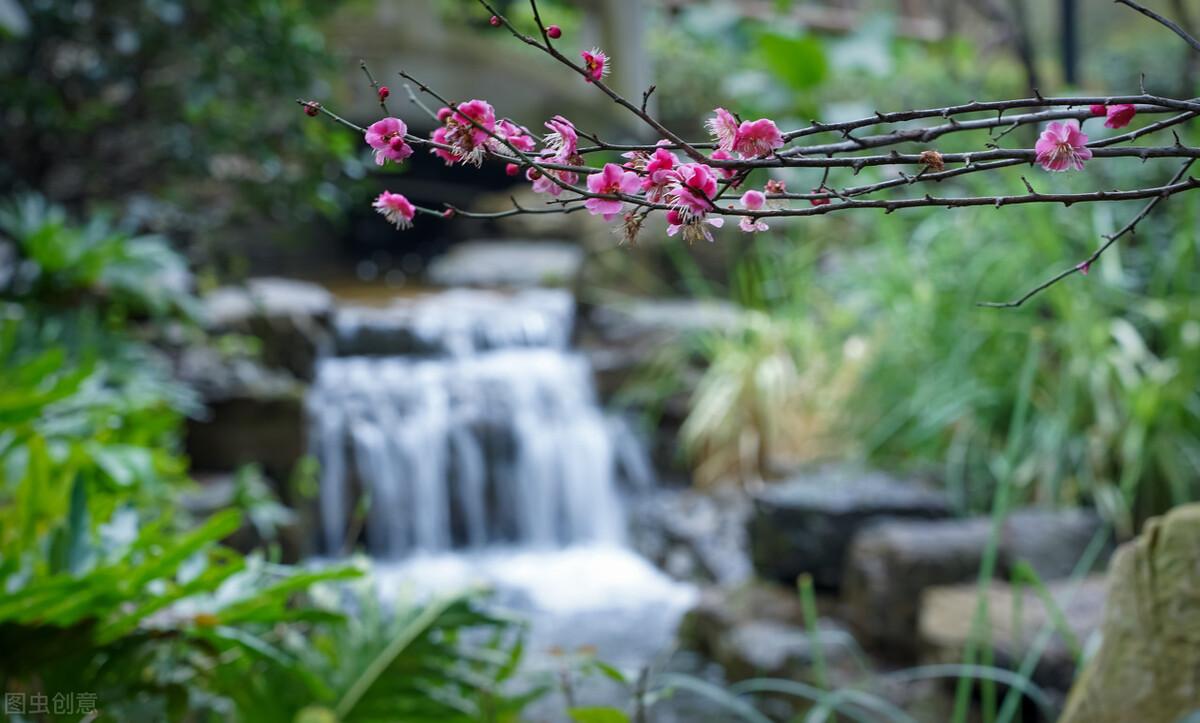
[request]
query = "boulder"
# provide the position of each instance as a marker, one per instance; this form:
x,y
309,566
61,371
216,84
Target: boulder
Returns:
x,y
1148,666
508,264
252,414
620,336
757,630
766,649
1051,541
291,319
1015,619
693,535
719,609
890,564
805,524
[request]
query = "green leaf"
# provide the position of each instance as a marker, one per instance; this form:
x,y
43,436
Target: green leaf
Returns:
x,y
598,715
798,61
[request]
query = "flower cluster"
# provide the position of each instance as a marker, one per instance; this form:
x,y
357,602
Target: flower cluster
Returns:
x,y
684,183
747,139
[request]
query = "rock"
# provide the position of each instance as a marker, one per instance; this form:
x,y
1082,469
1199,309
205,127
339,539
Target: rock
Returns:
x,y
1013,622
1147,666
692,535
757,630
621,336
891,563
720,609
508,264
806,524
253,415
765,649
291,318
1051,541
267,521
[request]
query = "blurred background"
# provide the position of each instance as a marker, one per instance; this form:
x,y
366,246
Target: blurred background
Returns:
x,y
227,381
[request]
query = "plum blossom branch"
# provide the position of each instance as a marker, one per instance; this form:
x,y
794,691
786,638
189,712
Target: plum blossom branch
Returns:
x,y
593,78
1083,266
694,191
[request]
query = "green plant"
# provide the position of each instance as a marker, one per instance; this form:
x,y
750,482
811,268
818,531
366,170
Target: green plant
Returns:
x,y
446,659
109,592
914,375
172,109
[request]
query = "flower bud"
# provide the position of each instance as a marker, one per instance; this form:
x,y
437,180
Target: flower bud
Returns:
x,y
512,169
384,93
448,213
932,160
495,21
312,108
554,31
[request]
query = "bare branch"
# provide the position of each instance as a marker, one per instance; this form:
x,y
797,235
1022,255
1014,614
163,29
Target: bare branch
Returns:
x,y
1083,266
1174,27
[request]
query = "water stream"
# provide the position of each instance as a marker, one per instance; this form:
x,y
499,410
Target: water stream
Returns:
x,y
474,432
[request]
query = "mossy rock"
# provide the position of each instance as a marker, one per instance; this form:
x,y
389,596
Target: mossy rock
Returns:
x,y
1148,665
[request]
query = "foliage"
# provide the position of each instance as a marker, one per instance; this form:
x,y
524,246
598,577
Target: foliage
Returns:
x,y
59,263
172,109
108,591
1116,418
444,660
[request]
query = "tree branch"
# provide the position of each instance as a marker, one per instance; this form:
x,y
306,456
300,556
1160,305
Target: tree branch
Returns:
x,y
1083,266
1174,27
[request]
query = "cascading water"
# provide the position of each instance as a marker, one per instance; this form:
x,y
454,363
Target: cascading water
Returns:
x,y
470,424
472,431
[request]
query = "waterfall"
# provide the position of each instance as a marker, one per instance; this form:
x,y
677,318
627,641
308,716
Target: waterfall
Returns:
x,y
465,421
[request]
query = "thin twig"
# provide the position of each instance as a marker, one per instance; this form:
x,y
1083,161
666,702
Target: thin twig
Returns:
x,y
374,86
1084,265
1174,27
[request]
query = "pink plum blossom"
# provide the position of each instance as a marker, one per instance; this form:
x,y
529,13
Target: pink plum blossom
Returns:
x,y
691,200
692,226
396,209
543,184
439,136
751,225
723,127
1098,109
612,180
1062,146
720,155
753,200
516,135
756,139
387,138
1118,116
658,170
595,62
562,140
695,188
468,130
